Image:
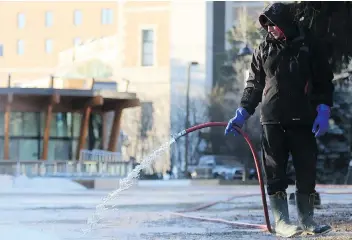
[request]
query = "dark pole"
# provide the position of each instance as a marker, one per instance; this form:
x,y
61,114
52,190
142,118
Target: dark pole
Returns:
x,y
187,112
127,83
9,81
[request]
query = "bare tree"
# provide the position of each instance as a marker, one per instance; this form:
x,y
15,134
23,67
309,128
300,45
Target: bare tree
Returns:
x,y
247,29
147,127
93,68
225,97
198,114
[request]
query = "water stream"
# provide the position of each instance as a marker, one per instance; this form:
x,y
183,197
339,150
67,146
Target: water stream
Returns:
x,y
124,184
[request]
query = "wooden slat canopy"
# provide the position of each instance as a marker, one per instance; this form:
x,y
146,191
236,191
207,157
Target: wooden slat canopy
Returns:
x,y
51,100
37,99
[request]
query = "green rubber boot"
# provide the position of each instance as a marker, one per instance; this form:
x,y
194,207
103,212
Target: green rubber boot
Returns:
x,y
279,208
305,209
317,200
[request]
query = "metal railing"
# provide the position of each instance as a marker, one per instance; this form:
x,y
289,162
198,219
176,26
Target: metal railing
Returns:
x,y
94,163
100,156
104,163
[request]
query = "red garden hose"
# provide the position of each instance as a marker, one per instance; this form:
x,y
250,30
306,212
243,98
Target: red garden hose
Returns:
x,y
255,157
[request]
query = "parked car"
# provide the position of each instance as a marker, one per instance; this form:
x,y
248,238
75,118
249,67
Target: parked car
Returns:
x,y
217,166
253,174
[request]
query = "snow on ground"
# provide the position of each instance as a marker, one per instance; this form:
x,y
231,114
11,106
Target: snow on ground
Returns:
x,y
21,184
18,232
143,212
37,184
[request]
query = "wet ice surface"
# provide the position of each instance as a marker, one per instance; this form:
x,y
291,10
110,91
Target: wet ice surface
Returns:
x,y
144,213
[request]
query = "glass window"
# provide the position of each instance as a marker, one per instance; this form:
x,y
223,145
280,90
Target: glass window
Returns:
x,y
30,124
53,125
21,20
69,122
74,150
59,150
42,124
1,125
14,149
62,125
49,18
76,124
16,124
77,17
1,50
51,150
24,149
95,131
48,45
1,149
20,47
29,149
107,16
147,47
146,118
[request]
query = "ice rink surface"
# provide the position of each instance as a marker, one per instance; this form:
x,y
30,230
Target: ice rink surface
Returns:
x,y
33,211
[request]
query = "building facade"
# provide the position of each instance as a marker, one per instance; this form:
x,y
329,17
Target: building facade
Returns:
x,y
34,34
146,46
37,31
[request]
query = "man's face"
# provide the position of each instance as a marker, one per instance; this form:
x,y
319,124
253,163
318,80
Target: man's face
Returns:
x,y
276,32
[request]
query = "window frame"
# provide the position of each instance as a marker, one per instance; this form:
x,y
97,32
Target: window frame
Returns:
x,y
107,16
141,46
49,19
19,41
75,16
46,45
20,24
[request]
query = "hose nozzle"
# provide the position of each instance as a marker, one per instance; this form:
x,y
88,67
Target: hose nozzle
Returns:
x,y
179,135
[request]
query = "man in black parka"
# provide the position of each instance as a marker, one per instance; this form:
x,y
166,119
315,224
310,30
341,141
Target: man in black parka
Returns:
x,y
292,78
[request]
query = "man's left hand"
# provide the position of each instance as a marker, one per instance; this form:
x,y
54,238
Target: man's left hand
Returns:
x,y
321,123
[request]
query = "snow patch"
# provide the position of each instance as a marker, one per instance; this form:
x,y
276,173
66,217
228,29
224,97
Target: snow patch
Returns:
x,y
23,183
20,232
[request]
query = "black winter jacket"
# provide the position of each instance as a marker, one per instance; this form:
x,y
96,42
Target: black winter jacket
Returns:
x,y
290,77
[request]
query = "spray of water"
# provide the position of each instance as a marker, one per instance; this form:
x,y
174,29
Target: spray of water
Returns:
x,y
125,184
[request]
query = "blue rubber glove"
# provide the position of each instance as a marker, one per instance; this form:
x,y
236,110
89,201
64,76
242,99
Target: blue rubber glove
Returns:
x,y
240,118
321,123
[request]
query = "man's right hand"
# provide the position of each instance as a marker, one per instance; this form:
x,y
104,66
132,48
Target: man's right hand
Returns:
x,y
240,118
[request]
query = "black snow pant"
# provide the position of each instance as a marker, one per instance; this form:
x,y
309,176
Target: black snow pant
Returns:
x,y
277,142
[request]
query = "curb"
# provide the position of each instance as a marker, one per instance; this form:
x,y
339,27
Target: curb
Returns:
x,y
113,183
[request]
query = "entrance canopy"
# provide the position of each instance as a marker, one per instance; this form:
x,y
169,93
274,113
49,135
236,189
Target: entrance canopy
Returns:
x,y
66,100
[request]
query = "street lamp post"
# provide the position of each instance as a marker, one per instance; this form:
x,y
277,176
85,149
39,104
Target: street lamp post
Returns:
x,y
190,64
